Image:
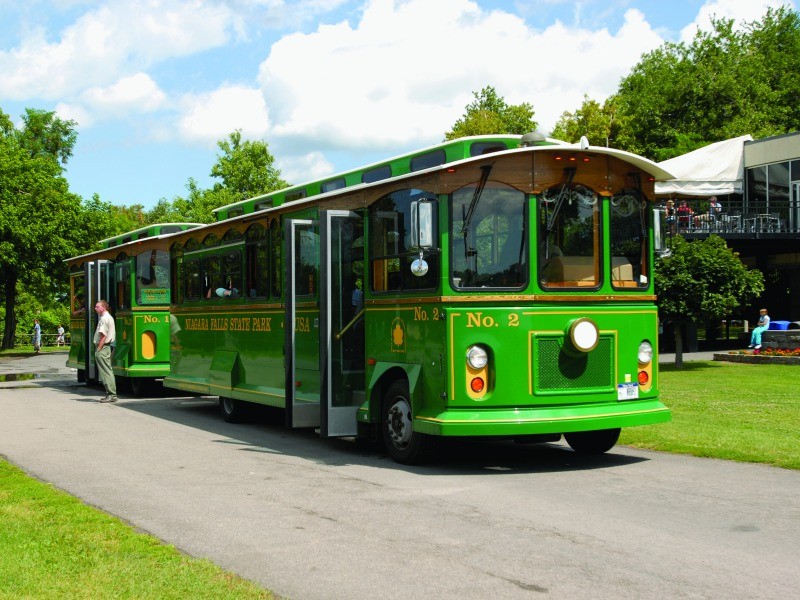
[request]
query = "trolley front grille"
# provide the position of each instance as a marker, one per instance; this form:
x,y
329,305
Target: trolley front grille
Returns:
x,y
558,369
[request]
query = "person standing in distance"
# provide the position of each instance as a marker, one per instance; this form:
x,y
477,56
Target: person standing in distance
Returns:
x,y
104,338
37,336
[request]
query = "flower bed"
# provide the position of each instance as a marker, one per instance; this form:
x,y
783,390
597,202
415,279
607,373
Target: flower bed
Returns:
x,y
781,356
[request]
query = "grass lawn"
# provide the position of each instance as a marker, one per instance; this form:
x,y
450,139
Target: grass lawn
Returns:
x,y
24,351
53,546
733,411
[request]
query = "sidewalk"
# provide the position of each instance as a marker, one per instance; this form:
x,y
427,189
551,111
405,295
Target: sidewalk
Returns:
x,y
669,357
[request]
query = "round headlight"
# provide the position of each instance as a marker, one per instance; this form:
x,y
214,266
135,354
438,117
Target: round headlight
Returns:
x,y
584,335
645,352
477,357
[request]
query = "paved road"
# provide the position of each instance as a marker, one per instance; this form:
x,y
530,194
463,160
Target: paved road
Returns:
x,y
313,519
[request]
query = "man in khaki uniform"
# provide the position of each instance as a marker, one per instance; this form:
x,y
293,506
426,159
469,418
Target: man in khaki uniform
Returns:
x,y
104,338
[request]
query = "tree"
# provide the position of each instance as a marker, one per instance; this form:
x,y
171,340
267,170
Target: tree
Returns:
x,y
602,125
246,169
489,114
701,281
37,218
100,220
725,83
164,212
44,134
199,206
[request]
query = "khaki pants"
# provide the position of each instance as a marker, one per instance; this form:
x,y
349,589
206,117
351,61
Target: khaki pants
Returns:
x,y
102,359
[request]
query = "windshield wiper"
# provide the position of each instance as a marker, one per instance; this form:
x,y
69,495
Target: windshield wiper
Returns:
x,y
569,174
476,196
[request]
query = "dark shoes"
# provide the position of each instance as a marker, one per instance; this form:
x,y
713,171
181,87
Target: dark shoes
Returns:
x,y
108,398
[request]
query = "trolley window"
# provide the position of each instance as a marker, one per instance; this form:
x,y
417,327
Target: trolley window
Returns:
x,y
333,184
426,161
489,233
569,237
377,174
122,266
191,272
391,250
307,255
78,284
629,245
152,277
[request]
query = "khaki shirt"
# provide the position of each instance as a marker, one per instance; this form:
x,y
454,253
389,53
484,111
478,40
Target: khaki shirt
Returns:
x,y
105,326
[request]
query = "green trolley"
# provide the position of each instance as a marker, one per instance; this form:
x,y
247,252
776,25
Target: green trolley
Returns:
x,y
493,286
132,273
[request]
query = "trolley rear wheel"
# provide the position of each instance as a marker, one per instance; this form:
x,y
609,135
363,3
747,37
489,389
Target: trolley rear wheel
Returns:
x,y
592,442
233,411
140,386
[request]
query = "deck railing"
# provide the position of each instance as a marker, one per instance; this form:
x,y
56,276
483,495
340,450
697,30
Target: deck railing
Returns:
x,y
734,217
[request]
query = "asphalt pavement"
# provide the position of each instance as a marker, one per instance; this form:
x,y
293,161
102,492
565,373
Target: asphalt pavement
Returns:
x,y
316,519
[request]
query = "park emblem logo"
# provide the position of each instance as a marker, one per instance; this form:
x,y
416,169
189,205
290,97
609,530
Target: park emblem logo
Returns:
x,y
398,335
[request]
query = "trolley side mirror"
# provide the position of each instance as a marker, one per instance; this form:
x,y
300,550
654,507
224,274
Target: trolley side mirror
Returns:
x,y
422,224
659,231
421,234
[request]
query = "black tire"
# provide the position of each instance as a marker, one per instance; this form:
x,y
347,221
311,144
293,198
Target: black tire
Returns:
x,y
403,444
140,386
592,442
233,411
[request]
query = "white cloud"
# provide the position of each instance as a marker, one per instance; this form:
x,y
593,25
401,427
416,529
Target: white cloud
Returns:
x,y
283,13
117,38
406,71
211,117
74,112
137,93
739,10
307,167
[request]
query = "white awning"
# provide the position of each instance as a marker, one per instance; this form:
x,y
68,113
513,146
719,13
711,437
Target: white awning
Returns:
x,y
716,169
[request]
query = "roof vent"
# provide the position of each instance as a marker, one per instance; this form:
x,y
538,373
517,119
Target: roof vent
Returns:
x,y
534,138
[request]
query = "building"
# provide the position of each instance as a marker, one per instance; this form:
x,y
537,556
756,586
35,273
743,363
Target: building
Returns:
x,y
757,184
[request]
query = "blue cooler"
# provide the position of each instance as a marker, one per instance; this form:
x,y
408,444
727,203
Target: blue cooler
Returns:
x,y
779,325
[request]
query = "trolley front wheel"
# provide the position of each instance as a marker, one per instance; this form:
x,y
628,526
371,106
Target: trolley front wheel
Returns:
x,y
403,444
592,442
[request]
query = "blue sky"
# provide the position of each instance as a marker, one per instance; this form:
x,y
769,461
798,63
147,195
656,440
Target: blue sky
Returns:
x,y
328,84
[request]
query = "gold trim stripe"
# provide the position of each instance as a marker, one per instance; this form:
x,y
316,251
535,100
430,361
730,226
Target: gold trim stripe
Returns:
x,y
506,298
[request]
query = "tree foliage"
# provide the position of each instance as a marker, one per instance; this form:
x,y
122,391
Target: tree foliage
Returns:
x,y
199,205
602,125
39,217
100,220
702,281
245,169
725,83
489,113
